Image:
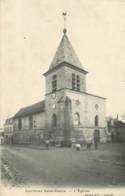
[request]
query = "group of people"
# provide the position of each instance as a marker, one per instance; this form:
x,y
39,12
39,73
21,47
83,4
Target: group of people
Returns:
x,y
89,142
77,145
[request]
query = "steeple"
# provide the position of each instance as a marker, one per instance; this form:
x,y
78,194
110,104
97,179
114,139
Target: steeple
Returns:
x,y
65,53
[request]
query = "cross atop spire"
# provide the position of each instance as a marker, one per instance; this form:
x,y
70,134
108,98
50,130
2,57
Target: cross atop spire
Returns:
x,y
64,16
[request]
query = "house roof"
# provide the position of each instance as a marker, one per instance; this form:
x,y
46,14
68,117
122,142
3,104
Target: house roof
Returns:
x,y
65,53
35,108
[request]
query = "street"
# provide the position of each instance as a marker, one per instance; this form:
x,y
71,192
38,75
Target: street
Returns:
x,y
64,167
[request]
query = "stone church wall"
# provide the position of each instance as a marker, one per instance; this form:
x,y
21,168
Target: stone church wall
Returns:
x,y
57,110
60,75
27,134
39,120
86,106
25,122
83,134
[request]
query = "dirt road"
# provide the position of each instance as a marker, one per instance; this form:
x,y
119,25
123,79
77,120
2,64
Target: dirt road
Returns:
x,y
64,166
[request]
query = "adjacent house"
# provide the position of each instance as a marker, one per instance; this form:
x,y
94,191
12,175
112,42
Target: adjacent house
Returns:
x,y
8,131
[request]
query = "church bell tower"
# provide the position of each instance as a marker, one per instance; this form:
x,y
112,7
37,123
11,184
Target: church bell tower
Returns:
x,y
65,73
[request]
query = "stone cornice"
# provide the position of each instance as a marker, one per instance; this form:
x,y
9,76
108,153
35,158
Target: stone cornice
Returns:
x,y
67,65
79,92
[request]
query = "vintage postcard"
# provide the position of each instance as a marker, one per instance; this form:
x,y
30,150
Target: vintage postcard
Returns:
x,y
62,106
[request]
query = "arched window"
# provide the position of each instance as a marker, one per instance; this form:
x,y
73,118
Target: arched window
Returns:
x,y
34,124
31,122
96,120
54,83
20,123
76,119
73,81
54,120
78,83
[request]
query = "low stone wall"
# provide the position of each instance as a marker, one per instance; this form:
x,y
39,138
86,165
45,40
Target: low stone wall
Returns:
x,y
78,134
28,137
84,133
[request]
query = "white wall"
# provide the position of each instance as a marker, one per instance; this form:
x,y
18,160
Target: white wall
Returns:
x,y
86,108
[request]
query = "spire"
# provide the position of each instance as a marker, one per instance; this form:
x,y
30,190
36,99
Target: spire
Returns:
x,y
65,52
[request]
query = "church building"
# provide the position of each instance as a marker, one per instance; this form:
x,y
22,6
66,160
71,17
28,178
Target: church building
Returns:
x,y
68,113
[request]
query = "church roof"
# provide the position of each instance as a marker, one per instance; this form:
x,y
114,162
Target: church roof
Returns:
x,y
35,108
65,53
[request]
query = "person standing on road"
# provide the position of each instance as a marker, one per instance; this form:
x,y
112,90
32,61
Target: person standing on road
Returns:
x,y
96,138
89,143
47,142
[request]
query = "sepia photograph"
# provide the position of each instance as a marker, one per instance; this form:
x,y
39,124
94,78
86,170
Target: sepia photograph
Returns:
x,y
62,97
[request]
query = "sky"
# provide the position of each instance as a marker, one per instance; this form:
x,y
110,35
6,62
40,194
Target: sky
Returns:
x,y
30,32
